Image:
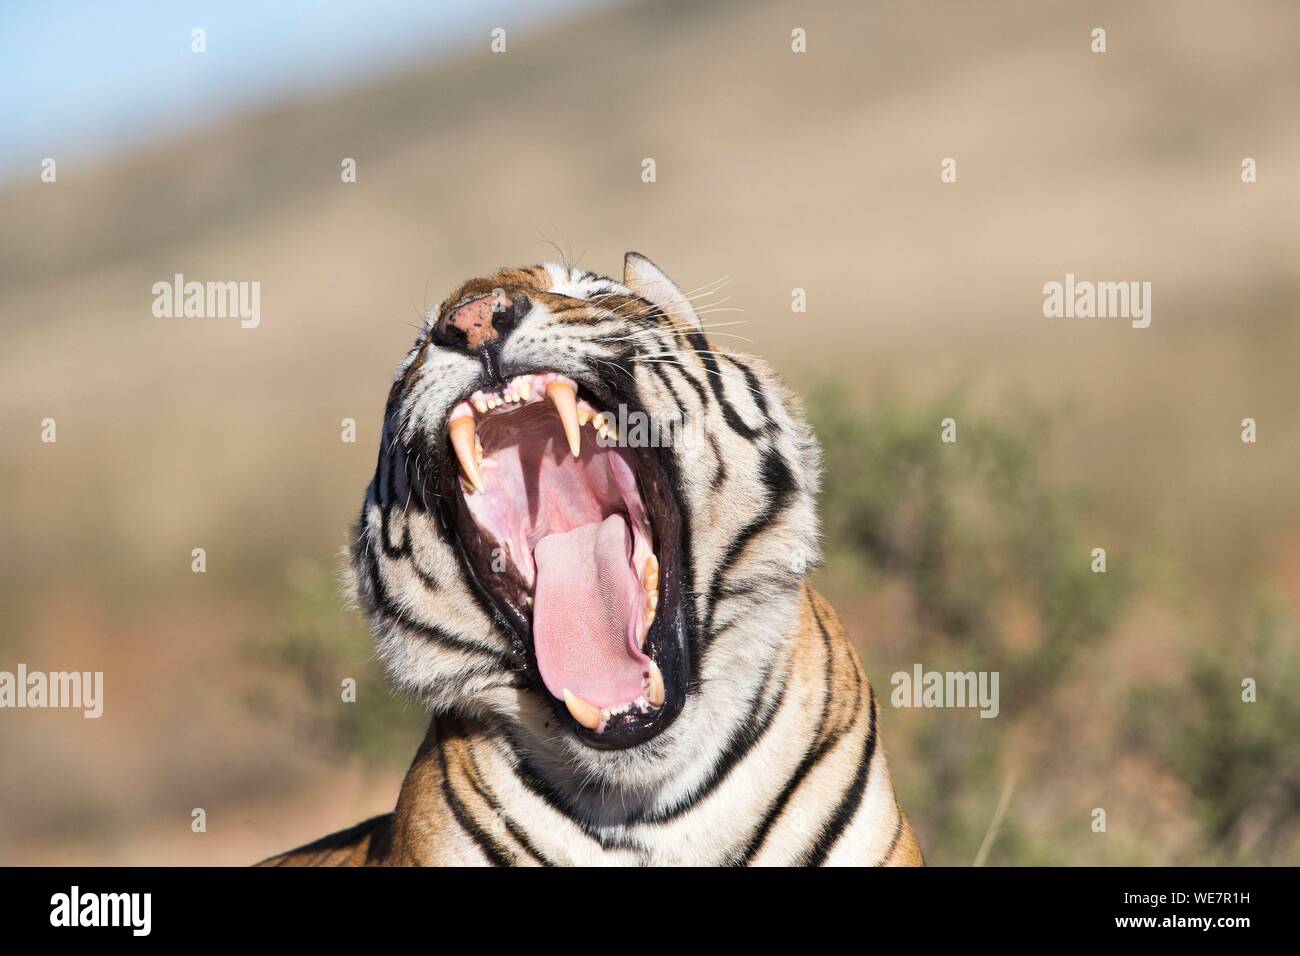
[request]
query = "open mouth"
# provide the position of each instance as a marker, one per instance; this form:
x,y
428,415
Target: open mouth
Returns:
x,y
572,537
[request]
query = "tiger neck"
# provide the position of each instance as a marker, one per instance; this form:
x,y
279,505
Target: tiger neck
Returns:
x,y
478,793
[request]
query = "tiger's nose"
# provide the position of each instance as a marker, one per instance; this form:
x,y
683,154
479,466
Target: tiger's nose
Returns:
x,y
481,323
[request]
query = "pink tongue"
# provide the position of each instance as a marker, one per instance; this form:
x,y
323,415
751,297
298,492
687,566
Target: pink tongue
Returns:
x,y
583,611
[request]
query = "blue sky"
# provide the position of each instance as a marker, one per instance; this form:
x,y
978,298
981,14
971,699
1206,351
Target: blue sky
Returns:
x,y
80,77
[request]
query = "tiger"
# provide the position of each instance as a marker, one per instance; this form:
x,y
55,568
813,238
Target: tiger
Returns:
x,y
586,547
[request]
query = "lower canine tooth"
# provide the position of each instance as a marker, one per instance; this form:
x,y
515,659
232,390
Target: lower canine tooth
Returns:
x,y
655,691
464,441
584,713
565,400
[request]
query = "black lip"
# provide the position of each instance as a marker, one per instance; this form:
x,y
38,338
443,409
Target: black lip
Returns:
x,y
668,639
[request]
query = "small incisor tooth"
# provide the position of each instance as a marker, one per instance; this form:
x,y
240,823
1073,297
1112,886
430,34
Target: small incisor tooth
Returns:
x,y
464,441
584,713
655,691
525,388
565,400
650,576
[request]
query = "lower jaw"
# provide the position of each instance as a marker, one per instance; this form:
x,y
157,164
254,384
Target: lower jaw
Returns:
x,y
628,726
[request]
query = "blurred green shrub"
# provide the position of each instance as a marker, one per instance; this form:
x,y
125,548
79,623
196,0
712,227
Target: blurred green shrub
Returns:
x,y
1240,760
972,528
319,643
994,557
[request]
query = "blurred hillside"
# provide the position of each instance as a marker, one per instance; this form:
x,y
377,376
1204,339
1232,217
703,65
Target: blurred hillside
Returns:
x,y
817,171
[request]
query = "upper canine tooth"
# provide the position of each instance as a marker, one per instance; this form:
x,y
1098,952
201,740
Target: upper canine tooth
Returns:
x,y
565,400
584,713
655,691
464,440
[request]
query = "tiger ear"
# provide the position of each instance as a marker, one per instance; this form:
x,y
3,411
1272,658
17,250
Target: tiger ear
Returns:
x,y
650,282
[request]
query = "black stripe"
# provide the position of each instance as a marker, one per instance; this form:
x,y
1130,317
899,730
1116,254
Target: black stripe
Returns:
x,y
459,681
742,740
385,535
425,577
814,754
405,550
643,333
590,314
665,367
757,585
496,854
382,466
385,606
540,787
848,805
893,841
342,840
720,466
511,827
662,374
755,386
377,482
716,383
390,471
412,401
779,481
768,589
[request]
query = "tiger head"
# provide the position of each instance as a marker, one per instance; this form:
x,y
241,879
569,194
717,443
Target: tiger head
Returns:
x,y
587,524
